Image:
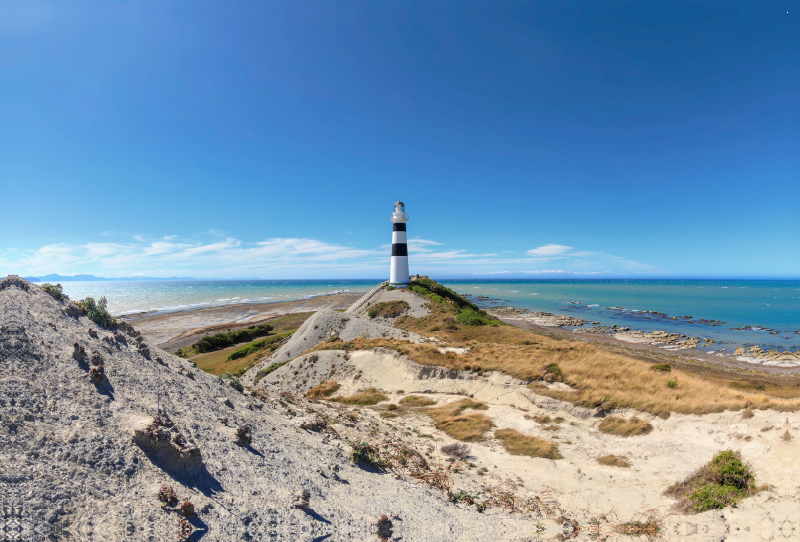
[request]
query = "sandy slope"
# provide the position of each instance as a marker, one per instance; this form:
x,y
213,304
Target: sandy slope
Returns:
x,y
71,469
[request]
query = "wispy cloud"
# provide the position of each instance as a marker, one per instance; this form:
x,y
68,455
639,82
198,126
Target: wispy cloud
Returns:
x,y
214,254
550,249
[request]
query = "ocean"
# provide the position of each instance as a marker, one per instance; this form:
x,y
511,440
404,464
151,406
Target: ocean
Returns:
x,y
766,312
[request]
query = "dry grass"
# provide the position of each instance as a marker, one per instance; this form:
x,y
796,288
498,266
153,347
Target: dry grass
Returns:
x,y
614,461
388,309
326,389
465,427
597,376
517,443
371,396
614,425
416,401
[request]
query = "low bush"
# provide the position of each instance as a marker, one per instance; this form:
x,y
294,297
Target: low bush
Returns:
x,y
554,370
365,454
457,450
416,401
371,396
167,495
54,290
662,367
723,481
469,317
614,461
219,341
517,443
187,509
97,311
326,389
672,384
614,425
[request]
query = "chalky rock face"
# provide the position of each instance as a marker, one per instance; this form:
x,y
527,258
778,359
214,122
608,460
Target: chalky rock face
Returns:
x,y
83,458
398,275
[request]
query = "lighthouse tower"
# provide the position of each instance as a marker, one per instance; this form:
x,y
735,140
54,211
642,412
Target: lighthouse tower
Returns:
x,y
398,277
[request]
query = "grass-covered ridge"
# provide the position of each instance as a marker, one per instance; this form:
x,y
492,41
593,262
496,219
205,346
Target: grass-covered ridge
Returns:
x,y
467,312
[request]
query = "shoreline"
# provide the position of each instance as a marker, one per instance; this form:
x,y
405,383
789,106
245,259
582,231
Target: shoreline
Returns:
x,y
173,330
772,361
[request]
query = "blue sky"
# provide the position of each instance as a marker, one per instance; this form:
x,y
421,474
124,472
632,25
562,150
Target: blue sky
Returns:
x,y
270,139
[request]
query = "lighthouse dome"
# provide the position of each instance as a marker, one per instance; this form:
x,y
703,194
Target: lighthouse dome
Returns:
x,y
399,207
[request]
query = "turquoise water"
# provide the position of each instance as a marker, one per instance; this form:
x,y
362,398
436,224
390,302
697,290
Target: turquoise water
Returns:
x,y
126,297
765,306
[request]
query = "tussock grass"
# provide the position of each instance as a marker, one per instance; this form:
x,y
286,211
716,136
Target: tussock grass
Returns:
x,y
723,481
416,401
612,460
326,389
614,425
596,376
371,396
388,309
517,443
464,427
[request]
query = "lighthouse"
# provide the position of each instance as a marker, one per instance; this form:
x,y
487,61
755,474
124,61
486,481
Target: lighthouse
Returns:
x,y
398,276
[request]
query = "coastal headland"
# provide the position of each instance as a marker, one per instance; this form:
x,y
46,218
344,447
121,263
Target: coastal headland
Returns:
x,y
489,431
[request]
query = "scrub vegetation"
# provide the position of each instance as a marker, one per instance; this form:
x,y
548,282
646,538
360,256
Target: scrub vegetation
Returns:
x,y
54,290
722,482
97,311
218,341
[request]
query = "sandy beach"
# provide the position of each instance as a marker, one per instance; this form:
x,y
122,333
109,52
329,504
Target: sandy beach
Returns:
x,y
174,330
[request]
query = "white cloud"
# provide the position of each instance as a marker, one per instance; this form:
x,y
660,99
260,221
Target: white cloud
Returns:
x,y
212,254
549,249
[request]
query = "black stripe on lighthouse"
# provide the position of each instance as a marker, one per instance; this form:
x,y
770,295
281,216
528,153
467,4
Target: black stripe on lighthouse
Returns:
x,y
398,227
399,249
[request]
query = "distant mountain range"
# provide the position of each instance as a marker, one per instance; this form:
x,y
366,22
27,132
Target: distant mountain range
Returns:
x,y
78,278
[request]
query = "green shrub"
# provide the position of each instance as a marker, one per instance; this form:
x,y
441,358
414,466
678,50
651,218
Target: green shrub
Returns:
x,y
723,481
554,370
469,317
390,288
54,290
97,312
663,367
373,313
672,384
219,341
